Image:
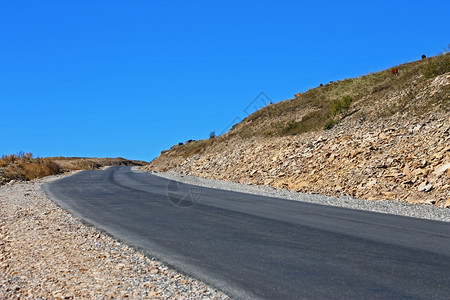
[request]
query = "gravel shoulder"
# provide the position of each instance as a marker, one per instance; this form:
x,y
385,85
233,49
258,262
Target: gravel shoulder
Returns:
x,y
381,206
45,253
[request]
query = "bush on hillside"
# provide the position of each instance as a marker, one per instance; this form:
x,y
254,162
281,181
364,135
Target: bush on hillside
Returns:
x,y
14,172
330,124
341,105
24,167
40,169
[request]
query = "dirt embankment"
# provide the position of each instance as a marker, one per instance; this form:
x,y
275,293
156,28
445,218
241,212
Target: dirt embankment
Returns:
x,y
393,146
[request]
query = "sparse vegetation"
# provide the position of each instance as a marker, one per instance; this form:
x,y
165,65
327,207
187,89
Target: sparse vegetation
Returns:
x,y
339,107
23,166
436,66
286,128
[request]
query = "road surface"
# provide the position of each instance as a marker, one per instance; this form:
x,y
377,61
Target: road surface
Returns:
x,y
251,246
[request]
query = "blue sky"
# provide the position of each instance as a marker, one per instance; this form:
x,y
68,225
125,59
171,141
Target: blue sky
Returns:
x,y
131,78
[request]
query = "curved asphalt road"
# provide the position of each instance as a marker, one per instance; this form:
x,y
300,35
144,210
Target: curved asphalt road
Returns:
x,y
258,247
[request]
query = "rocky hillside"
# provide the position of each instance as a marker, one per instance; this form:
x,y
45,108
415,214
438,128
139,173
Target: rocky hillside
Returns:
x,y
384,135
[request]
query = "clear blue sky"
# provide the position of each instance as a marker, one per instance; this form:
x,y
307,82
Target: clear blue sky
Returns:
x,y
131,78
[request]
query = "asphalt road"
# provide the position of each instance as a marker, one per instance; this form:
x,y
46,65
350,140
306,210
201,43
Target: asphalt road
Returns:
x,y
259,247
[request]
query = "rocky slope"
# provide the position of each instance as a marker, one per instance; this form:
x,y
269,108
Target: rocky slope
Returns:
x,y
393,143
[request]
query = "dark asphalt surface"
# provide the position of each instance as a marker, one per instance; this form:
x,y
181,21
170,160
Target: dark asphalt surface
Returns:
x,y
259,247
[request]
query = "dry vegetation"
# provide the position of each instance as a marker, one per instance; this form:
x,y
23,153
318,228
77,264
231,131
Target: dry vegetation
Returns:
x,y
316,109
23,166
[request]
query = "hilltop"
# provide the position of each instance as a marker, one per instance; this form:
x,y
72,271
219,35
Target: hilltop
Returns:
x,y
385,135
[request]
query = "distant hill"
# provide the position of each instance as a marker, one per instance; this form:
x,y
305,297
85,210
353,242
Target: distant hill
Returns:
x,y
24,167
385,135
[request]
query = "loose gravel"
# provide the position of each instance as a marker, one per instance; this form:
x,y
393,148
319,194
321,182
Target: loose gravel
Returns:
x,y
45,253
383,206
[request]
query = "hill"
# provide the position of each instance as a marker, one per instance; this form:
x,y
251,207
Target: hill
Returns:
x,y
385,135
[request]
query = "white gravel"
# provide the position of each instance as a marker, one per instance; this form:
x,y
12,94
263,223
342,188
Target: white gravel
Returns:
x,y
45,253
384,206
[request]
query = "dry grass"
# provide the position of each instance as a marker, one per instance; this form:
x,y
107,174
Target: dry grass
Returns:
x,y
7,159
24,167
192,148
436,66
40,169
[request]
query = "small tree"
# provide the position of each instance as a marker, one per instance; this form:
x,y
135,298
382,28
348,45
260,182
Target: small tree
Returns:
x,y
212,134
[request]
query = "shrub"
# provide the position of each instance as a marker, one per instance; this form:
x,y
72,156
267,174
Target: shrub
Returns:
x,y
35,170
341,105
7,159
285,128
24,167
346,101
40,169
330,124
53,167
15,172
25,156
212,134
336,107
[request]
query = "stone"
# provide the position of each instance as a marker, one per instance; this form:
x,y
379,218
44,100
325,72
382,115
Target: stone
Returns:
x,y
446,203
382,135
424,187
406,170
418,172
441,169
